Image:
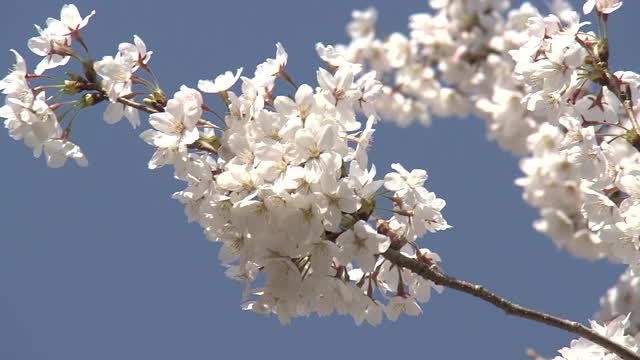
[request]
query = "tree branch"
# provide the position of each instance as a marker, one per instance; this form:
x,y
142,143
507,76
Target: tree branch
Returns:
x,y
439,278
135,105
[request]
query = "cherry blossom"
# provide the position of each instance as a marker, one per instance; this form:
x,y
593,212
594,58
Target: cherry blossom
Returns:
x,y
362,244
584,349
601,6
53,41
283,180
174,129
57,151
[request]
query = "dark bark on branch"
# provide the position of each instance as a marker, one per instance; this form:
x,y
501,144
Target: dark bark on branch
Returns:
x,y
439,278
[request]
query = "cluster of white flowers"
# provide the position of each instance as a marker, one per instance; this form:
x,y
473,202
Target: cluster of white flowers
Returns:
x,y
464,58
544,88
623,298
583,349
453,63
281,186
117,79
283,181
582,172
28,116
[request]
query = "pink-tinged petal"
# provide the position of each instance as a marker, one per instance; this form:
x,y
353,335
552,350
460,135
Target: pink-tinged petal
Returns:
x,y
611,8
164,122
176,109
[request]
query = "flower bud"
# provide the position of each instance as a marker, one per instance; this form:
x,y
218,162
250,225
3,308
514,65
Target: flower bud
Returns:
x,y
160,97
366,208
71,87
633,138
91,99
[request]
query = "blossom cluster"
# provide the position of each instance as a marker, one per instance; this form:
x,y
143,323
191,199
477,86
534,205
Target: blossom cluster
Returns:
x,y
285,185
556,110
28,115
31,115
544,88
583,349
622,299
582,171
455,62
282,181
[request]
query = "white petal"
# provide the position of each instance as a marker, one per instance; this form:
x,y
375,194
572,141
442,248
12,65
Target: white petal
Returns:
x,y
113,113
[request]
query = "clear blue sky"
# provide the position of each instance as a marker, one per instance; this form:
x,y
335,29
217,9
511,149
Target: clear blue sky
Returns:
x,y
99,263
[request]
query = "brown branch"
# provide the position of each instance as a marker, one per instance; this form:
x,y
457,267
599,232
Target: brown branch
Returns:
x,y
197,145
510,308
135,105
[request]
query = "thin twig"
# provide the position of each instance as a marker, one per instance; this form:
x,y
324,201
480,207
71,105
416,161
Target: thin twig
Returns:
x,y
136,105
507,306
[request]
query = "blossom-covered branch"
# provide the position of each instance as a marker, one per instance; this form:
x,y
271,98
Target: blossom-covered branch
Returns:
x,y
570,116
432,273
283,179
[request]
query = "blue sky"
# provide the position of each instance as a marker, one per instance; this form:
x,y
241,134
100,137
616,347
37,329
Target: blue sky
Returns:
x,y
100,263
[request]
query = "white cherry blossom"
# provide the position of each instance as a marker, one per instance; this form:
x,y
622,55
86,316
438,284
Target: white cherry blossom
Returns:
x,y
221,83
361,244
174,129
